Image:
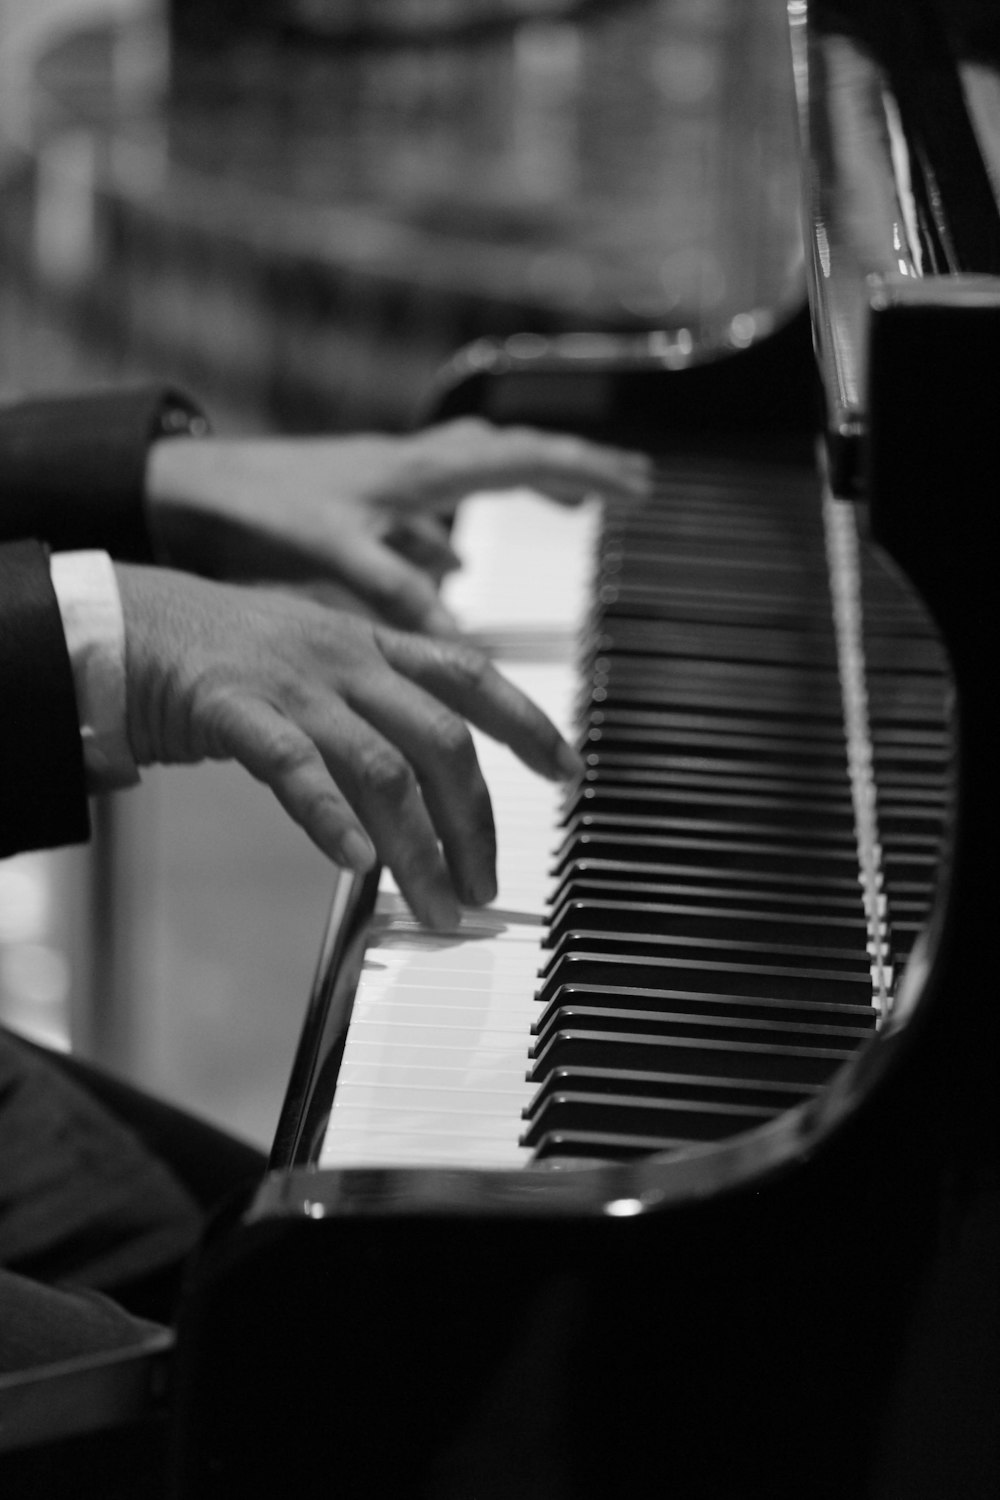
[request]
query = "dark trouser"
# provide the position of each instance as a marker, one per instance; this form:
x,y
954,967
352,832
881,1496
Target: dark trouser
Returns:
x,y
104,1191
205,1162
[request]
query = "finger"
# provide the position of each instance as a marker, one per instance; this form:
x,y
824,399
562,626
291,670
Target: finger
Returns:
x,y
297,766
567,467
437,743
382,784
278,753
562,465
399,591
464,680
423,541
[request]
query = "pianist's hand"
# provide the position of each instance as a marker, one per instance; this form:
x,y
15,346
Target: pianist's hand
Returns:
x,y
357,728
368,512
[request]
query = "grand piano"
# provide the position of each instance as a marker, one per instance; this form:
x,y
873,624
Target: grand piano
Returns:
x,y
725,1222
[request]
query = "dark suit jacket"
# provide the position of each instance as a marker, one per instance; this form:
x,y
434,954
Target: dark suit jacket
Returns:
x,y
71,476
82,1197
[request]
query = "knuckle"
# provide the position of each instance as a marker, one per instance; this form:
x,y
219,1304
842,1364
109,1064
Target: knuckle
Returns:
x,y
387,776
469,667
452,741
320,806
290,752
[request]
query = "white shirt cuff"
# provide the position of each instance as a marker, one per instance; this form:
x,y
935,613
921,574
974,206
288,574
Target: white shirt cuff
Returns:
x,y
89,603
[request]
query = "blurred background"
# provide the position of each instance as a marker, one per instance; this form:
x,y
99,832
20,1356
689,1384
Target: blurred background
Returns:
x,y
298,210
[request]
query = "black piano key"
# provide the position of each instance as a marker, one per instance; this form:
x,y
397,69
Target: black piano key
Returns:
x,y
709,541
709,889
787,1027
908,869
706,773
773,813
774,981
750,857
924,797
675,728
900,752
626,875
618,599
625,575
858,1016
728,643
771,1095
585,1146
664,1120
679,834
693,602
639,692
922,828
651,1012
815,679
631,567
818,759
697,949
732,920
658,763
688,1054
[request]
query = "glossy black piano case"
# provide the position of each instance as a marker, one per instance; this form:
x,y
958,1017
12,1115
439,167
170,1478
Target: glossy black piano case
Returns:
x,y
806,1310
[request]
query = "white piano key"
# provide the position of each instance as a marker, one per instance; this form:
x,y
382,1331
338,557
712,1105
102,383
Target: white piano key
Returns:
x,y
419,952
479,999
482,1017
408,1122
357,1148
489,536
380,1097
498,922
356,1070
390,983
472,1038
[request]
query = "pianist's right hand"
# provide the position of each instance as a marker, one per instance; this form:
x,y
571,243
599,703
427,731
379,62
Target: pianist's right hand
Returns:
x,y
359,729
361,512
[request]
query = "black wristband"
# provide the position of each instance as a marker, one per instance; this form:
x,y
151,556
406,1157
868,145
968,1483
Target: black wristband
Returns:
x,y
73,468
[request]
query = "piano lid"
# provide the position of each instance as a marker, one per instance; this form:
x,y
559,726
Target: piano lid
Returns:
x,y
898,105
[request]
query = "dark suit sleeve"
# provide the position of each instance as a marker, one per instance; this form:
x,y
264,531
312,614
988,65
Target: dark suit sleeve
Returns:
x,y
43,800
72,468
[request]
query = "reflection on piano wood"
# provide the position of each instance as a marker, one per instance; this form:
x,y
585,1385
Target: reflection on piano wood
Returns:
x,y
748,1246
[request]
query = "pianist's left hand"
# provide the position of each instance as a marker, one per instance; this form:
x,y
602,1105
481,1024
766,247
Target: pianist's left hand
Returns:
x,y
368,512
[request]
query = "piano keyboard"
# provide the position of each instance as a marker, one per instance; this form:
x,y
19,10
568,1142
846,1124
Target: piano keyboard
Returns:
x,y
709,935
